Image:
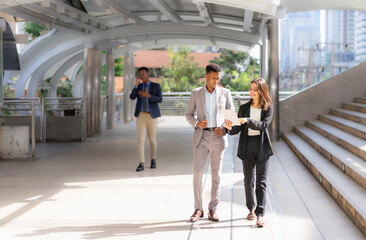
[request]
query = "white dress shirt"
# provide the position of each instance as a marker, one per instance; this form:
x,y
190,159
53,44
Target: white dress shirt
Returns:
x,y
210,108
255,114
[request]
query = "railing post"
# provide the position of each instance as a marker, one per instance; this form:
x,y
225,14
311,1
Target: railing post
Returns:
x,y
83,119
43,138
180,104
237,96
33,123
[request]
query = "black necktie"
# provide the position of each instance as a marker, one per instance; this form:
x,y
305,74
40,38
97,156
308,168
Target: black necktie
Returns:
x,y
144,103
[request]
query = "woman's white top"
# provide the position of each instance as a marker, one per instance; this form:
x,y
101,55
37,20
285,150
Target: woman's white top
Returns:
x,y
255,114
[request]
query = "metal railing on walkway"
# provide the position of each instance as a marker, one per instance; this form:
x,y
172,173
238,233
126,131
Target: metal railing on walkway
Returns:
x,y
39,109
17,112
175,103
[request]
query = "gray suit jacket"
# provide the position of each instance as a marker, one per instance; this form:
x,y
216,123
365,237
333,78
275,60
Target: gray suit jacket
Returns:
x,y
197,102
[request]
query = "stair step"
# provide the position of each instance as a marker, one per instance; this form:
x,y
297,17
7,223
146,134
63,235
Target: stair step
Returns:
x,y
347,162
359,107
360,100
350,196
353,144
350,115
353,128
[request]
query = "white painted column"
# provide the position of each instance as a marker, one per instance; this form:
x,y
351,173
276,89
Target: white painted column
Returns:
x,y
273,75
132,83
110,73
97,91
127,88
88,74
263,55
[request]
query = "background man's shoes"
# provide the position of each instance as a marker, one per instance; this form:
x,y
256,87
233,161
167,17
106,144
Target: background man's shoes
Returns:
x,y
153,163
212,215
140,167
198,213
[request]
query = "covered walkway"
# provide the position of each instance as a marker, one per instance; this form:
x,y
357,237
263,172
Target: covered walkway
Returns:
x,y
90,190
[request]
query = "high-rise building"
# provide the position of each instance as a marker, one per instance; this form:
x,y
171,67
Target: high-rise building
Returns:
x,y
340,27
299,32
339,38
360,37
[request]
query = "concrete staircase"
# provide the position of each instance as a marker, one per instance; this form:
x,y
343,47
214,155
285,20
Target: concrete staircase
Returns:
x,y
333,148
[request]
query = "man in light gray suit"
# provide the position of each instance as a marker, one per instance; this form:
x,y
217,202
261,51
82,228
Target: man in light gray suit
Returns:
x,y
209,137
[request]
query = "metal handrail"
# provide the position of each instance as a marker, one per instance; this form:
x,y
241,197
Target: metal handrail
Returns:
x,y
61,106
175,102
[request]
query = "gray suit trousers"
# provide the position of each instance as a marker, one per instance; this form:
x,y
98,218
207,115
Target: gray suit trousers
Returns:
x,y
212,145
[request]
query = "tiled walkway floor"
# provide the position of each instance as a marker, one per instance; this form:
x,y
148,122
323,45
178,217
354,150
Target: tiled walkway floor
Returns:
x,y
90,190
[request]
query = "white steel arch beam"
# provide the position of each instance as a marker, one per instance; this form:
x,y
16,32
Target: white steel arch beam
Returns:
x,y
71,73
52,70
78,87
70,61
164,8
119,10
38,75
149,44
86,26
178,30
35,70
61,71
84,16
41,19
204,11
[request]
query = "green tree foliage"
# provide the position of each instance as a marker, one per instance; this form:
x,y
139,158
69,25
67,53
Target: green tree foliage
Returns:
x,y
238,70
118,67
33,29
8,92
64,88
183,72
118,71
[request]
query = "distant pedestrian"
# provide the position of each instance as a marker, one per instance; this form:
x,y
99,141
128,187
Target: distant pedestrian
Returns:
x,y
147,111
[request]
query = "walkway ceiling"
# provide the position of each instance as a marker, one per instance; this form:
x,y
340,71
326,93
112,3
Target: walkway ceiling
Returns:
x,y
169,19
132,25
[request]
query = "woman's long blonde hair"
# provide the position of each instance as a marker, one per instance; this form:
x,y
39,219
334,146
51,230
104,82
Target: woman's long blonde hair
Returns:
x,y
264,98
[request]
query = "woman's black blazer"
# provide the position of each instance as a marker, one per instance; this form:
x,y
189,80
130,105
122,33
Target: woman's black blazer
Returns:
x,y
265,147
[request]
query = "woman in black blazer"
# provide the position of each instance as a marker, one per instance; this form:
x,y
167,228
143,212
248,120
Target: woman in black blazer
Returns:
x,y
254,147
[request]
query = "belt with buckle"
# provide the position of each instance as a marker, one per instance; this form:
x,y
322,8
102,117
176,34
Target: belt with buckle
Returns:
x,y
209,129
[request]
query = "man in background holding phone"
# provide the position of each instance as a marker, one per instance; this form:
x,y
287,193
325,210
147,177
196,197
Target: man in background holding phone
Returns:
x,y
209,137
147,111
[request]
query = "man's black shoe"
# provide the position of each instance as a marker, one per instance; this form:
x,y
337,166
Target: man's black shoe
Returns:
x,y
140,167
153,163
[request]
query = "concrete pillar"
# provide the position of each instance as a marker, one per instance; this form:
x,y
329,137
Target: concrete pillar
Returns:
x,y
127,109
97,94
132,82
110,88
273,75
88,74
263,55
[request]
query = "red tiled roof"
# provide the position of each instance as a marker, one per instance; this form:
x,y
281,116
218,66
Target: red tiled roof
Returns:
x,y
158,58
